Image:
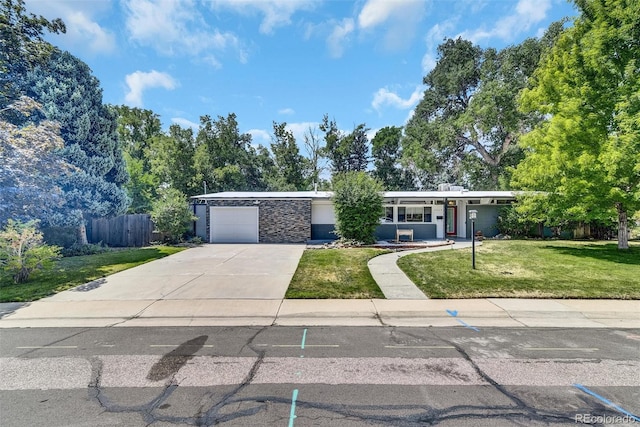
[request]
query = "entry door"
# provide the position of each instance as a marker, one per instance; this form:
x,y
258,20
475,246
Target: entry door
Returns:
x,y
237,224
452,223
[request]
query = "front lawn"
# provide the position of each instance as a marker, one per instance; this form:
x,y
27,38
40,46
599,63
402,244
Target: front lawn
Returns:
x,y
74,271
335,273
529,269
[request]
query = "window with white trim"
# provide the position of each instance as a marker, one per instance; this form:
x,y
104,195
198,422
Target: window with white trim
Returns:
x,y
414,214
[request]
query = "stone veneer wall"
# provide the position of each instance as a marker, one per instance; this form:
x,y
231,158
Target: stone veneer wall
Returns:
x,y
279,221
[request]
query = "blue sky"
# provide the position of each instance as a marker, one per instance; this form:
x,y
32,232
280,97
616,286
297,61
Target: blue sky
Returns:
x,y
281,60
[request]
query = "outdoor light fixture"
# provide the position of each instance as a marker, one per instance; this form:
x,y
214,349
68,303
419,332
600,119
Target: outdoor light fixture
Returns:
x,y
472,216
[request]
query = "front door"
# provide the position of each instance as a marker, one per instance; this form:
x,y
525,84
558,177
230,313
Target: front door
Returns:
x,y
452,215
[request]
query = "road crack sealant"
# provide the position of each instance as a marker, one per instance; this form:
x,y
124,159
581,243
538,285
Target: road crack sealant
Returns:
x,y
203,417
421,414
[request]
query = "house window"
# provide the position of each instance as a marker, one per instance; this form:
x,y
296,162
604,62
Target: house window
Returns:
x,y
427,214
388,214
411,213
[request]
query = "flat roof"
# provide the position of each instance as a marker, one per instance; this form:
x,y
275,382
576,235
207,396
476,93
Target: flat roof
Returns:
x,y
328,194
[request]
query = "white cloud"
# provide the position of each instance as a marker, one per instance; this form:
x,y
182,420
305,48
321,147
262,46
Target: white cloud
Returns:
x,y
100,40
435,36
526,14
300,129
185,123
139,81
339,37
376,12
260,136
288,111
176,27
386,97
371,133
81,20
277,13
400,18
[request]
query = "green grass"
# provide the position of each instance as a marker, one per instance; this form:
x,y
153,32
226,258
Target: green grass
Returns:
x,y
74,271
335,273
529,269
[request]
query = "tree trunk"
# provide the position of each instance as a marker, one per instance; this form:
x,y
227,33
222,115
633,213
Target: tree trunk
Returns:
x,y
623,228
81,235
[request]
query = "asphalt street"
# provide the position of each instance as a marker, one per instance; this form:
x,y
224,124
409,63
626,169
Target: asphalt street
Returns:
x,y
319,376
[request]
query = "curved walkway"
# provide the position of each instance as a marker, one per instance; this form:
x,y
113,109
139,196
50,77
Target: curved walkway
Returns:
x,y
393,282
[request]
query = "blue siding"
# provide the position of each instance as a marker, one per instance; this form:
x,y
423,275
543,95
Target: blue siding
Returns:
x,y
323,232
383,231
487,220
420,231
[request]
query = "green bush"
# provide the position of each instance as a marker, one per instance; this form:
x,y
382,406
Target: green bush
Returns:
x,y
512,223
80,250
65,237
22,250
171,214
358,205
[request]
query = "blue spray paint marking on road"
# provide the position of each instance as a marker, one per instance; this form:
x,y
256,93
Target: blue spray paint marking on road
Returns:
x,y
304,338
292,415
466,325
606,401
454,313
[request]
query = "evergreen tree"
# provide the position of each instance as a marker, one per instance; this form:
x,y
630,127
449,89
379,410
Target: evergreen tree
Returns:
x,y
71,96
22,46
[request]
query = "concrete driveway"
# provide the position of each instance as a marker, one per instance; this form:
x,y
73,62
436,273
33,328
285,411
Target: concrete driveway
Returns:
x,y
230,271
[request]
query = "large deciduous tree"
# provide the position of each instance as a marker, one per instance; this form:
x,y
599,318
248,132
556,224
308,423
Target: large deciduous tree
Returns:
x,y
136,129
71,96
347,152
224,157
316,158
289,167
171,158
586,154
465,128
387,152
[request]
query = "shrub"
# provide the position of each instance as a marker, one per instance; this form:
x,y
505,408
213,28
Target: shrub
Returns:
x,y
358,205
171,214
22,250
79,250
65,237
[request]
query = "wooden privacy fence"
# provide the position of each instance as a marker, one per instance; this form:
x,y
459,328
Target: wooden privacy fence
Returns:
x,y
124,230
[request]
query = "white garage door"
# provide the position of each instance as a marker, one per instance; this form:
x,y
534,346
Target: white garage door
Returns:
x,y
234,224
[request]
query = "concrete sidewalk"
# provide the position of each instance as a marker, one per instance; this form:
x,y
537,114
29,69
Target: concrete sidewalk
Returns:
x,y
244,285
469,313
392,281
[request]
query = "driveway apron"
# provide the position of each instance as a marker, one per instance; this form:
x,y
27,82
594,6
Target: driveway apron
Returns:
x,y
229,271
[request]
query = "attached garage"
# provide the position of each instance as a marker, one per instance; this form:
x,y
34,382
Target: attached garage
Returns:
x,y
234,224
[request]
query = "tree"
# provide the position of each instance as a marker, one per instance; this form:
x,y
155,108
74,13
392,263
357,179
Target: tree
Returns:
x,y
465,128
288,165
22,46
171,214
357,201
586,153
316,155
30,166
171,157
136,130
22,250
224,158
346,152
387,152
71,95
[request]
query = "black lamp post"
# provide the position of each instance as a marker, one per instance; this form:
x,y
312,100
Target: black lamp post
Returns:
x,y
472,216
